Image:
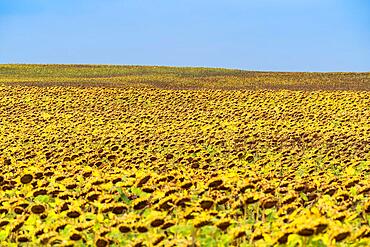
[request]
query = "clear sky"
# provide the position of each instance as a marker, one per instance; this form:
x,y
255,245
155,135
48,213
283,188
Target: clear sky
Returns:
x,y
277,35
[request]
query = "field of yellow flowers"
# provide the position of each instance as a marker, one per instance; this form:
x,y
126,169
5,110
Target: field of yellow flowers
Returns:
x,y
123,156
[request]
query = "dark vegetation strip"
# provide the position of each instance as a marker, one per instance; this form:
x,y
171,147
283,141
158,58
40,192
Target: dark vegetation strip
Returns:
x,y
177,78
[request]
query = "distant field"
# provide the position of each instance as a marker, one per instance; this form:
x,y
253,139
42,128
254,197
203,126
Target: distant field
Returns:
x,y
112,156
177,78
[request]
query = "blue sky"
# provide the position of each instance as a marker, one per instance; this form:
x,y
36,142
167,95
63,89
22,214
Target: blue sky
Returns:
x,y
276,35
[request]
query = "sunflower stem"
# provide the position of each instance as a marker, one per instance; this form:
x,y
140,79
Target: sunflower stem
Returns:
x,y
194,234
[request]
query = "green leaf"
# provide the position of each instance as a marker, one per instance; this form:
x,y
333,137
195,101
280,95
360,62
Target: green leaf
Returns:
x,y
182,230
3,235
115,234
294,240
303,196
31,220
67,230
42,199
318,243
123,196
138,192
208,230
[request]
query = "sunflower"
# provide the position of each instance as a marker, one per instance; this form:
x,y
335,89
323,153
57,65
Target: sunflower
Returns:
x,y
257,235
198,223
222,200
250,199
143,181
75,236
158,239
38,209
168,224
26,179
23,239
214,183
306,231
73,214
223,224
321,227
119,209
47,238
61,226
4,223
268,202
102,242
367,207
18,210
183,201
363,232
339,236
140,204
206,203
141,228
157,222
124,228
283,237
165,204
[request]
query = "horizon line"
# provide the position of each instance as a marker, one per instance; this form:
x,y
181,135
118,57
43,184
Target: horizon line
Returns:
x,y
183,66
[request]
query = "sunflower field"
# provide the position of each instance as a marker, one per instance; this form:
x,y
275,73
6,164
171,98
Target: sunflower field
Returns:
x,y
140,165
